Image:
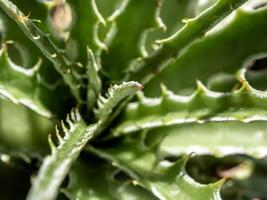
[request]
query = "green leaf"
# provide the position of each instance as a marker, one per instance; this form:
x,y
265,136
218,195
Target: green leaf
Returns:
x,y
114,96
245,104
28,52
84,29
167,181
24,86
56,166
170,181
243,39
172,47
172,13
212,138
96,180
95,83
67,69
108,8
131,26
23,51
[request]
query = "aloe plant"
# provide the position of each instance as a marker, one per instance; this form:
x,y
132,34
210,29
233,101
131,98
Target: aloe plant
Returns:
x,y
150,99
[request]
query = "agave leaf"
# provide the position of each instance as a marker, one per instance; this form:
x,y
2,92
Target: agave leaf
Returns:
x,y
23,51
172,47
167,181
24,86
68,70
223,139
108,8
83,33
172,13
56,166
114,96
29,52
245,104
95,83
97,181
134,21
225,82
172,182
226,56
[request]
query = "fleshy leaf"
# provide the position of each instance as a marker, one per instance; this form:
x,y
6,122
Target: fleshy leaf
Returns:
x,y
219,139
83,33
114,95
97,181
223,57
133,22
56,166
28,52
245,104
95,83
172,13
24,86
170,181
67,69
167,181
173,46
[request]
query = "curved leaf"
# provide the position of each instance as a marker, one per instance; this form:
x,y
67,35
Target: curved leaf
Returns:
x,y
243,37
97,181
245,104
56,166
167,181
213,138
83,33
136,18
24,86
42,40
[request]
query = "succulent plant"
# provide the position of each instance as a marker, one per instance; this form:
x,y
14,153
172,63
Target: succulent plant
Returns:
x,y
150,99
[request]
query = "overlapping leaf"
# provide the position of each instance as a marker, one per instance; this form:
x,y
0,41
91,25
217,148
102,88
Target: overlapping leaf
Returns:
x,y
57,165
243,38
25,86
28,52
212,138
85,21
24,51
167,181
165,127
131,24
172,14
67,69
97,181
245,104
